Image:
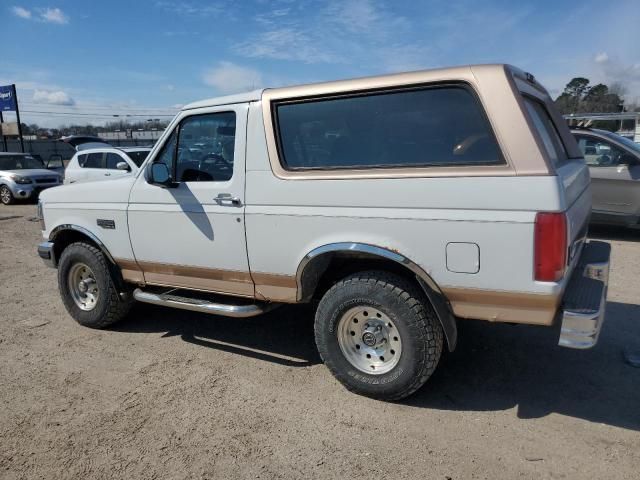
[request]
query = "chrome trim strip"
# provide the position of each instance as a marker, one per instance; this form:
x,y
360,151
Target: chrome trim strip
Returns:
x,y
60,228
362,248
203,306
433,292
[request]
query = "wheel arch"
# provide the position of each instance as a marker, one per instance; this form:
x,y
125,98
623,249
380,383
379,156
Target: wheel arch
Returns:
x,y
64,235
316,264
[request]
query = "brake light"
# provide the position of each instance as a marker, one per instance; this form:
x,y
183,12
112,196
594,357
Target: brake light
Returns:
x,y
550,244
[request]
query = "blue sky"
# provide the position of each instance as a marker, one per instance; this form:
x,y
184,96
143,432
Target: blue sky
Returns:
x,y
148,56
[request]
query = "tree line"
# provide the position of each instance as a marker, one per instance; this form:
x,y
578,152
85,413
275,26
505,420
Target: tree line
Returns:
x,y
88,129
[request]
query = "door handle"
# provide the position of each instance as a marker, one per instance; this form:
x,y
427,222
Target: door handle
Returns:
x,y
107,174
226,199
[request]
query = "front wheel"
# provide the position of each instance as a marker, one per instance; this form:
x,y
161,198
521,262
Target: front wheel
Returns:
x,y
6,197
87,287
378,335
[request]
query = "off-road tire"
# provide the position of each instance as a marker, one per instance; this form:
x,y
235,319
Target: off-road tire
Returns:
x,y
110,306
6,197
405,304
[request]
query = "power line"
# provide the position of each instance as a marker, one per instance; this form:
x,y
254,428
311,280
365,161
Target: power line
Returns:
x,y
99,114
134,109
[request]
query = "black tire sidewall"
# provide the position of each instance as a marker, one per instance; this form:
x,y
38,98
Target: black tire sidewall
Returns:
x,y
79,253
413,359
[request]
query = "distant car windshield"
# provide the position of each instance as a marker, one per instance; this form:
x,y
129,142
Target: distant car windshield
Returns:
x,y
138,156
625,141
19,162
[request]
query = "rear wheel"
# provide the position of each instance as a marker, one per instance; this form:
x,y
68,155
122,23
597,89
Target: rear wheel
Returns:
x,y
87,288
378,335
6,197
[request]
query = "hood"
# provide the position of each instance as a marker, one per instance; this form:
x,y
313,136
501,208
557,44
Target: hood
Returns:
x,y
31,172
79,194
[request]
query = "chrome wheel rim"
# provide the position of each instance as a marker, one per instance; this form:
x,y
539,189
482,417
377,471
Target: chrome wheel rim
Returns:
x,y
5,195
369,340
83,286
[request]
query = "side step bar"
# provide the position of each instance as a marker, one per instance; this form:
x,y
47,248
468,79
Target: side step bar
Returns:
x,y
203,306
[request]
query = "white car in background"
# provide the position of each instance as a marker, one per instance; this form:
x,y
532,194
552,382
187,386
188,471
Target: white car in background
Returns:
x,y
104,163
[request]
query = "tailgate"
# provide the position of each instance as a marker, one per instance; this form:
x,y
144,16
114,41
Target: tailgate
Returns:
x,y
574,180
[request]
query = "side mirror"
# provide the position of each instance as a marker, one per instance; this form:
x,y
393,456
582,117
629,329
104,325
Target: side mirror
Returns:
x,y
628,159
159,175
123,166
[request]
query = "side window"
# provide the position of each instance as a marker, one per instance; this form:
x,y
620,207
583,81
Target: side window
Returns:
x,y
112,160
206,147
94,160
205,150
436,126
547,131
82,160
599,153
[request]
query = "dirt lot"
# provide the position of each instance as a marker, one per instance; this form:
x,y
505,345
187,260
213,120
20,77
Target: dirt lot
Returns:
x,y
174,394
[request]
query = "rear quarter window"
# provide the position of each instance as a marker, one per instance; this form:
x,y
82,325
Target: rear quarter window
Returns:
x,y
421,127
547,132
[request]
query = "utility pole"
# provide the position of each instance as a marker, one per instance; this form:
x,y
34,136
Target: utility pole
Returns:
x,y
15,95
4,139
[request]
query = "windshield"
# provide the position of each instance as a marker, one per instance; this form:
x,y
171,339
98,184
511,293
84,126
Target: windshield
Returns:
x,y
625,141
19,162
138,157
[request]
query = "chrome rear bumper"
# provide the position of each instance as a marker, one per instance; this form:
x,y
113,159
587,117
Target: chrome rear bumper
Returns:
x,y
585,299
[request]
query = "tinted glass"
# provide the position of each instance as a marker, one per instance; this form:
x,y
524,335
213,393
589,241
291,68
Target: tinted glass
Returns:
x,y
138,157
112,160
93,160
599,153
19,162
82,159
547,131
442,126
206,148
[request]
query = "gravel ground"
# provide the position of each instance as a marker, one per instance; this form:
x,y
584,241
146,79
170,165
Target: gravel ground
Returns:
x,y
174,394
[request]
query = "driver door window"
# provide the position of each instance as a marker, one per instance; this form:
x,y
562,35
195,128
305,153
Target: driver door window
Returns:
x,y
598,153
204,150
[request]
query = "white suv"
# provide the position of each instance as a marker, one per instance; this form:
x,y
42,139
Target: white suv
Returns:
x,y
104,163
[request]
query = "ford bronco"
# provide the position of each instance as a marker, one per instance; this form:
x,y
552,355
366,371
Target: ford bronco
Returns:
x,y
396,204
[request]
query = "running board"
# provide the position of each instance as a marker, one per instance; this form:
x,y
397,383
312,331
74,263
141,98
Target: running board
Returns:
x,y
203,306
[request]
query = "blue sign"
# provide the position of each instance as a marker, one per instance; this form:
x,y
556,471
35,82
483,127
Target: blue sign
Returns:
x,y
7,99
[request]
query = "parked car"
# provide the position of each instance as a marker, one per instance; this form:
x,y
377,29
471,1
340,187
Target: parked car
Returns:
x,y
614,165
394,203
23,176
104,163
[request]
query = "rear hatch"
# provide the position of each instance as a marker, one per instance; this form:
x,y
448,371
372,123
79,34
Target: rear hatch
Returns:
x,y
84,142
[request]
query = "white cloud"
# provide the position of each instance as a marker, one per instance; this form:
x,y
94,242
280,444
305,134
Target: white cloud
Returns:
x,y
45,15
53,15
601,57
227,77
337,33
21,12
286,43
53,98
191,9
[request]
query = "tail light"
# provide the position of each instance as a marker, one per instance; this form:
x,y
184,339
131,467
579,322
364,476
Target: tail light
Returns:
x,y
550,244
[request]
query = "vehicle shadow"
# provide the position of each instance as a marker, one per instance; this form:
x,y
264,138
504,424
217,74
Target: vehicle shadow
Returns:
x,y
495,366
606,232
499,366
283,336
